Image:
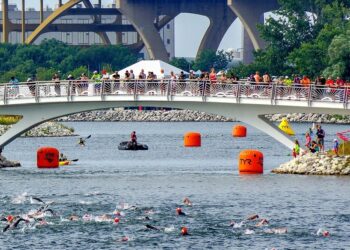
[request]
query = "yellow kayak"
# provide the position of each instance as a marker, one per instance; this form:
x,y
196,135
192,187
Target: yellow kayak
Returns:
x,y
64,163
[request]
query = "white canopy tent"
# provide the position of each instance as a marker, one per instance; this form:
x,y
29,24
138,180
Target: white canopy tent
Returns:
x,y
151,66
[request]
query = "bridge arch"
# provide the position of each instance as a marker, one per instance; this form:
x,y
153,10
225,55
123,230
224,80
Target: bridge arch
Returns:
x,y
36,114
254,115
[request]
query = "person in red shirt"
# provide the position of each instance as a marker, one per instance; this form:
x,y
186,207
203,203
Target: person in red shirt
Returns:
x,y
133,138
330,82
212,76
339,82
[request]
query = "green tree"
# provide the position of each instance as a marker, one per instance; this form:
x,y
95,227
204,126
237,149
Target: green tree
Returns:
x,y
210,59
181,63
299,41
339,54
52,56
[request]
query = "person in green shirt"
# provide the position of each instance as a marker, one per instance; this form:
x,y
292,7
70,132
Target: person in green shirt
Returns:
x,y
96,77
296,149
287,81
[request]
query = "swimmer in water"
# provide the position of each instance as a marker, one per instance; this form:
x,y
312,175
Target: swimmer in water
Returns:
x,y
148,226
282,230
104,218
184,231
187,201
13,222
179,212
262,223
73,218
253,217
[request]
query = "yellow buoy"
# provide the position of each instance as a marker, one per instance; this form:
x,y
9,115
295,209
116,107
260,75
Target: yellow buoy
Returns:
x,y
286,128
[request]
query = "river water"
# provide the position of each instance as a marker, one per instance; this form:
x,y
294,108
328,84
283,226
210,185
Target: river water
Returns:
x,y
157,180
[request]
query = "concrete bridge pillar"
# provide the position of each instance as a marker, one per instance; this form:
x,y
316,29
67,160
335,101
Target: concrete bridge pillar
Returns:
x,y
219,24
5,21
142,15
251,14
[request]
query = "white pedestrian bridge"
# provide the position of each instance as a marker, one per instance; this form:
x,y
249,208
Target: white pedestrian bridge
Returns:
x,y
38,102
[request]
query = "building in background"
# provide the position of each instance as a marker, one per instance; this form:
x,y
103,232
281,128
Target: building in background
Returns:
x,y
32,16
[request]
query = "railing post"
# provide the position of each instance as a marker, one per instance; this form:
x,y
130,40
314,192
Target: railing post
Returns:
x,y
5,93
69,92
310,95
238,94
346,97
168,94
135,89
37,92
273,94
204,93
102,90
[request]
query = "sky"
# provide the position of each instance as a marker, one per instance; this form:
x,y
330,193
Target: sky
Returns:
x,y
189,29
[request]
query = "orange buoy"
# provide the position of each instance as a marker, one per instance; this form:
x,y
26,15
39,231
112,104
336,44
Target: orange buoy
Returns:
x,y
251,162
239,131
116,220
192,139
47,157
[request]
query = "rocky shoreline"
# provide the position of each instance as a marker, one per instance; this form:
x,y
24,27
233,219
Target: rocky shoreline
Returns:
x,y
121,115
318,118
316,164
47,129
4,163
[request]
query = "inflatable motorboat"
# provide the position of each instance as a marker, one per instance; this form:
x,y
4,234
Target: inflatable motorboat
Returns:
x,y
126,145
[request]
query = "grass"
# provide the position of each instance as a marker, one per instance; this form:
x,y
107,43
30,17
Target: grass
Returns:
x,y
9,119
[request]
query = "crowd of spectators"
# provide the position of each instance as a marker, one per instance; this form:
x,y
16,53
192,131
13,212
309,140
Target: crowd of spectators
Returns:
x,y
115,80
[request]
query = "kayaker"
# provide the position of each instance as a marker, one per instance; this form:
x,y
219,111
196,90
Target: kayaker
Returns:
x,y
133,138
81,142
63,157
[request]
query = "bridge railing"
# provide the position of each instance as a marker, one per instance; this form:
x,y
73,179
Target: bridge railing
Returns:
x,y
169,87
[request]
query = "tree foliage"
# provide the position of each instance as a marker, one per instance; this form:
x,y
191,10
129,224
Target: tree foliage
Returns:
x,y
181,63
300,36
52,56
208,59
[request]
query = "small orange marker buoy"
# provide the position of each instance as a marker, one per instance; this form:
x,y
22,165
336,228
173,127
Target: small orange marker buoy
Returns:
x,y
184,231
116,220
239,131
251,162
192,139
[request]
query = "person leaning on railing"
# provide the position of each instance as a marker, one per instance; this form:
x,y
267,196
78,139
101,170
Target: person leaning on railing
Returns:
x,y
115,77
96,78
31,84
56,79
70,80
14,85
84,83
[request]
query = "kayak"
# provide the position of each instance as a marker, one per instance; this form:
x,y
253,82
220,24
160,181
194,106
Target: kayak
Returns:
x,y
64,163
125,145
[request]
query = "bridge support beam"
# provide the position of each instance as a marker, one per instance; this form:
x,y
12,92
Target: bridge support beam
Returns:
x,y
219,24
142,16
251,14
50,19
5,21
